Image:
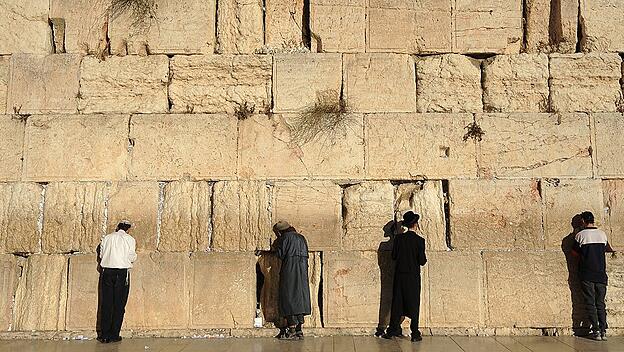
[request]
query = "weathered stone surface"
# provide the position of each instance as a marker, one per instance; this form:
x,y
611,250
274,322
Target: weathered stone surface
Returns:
x,y
313,208
565,198
456,289
608,145
82,292
585,82
379,82
493,26
73,216
615,304
551,26
8,283
185,217
437,138
5,64
12,146
535,145
367,208
41,297
76,147
197,146
241,28
179,27
242,218
41,84
220,83
527,289
136,202
267,148
601,22
129,84
19,217
223,275
338,25
613,191
449,83
506,214
84,25
160,285
427,200
24,27
294,91
283,23
409,27
516,83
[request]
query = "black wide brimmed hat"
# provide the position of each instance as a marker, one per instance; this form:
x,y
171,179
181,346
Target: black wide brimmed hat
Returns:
x,y
410,218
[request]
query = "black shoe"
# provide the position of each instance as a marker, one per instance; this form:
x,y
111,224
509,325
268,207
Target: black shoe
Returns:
x,y
289,335
595,336
299,335
281,334
389,335
103,340
115,339
416,338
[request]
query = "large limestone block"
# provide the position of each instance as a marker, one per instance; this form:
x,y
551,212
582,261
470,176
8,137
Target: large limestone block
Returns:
x,y
409,27
12,146
615,291
609,144
527,289
160,291
493,26
43,84
456,289
174,146
223,293
405,146
185,217
585,82
283,27
242,217
19,217
294,91
338,25
367,208
82,292
240,28
8,283
41,297
601,22
24,27
535,145
76,147
179,27
73,216
314,208
379,82
426,199
129,84
138,203
355,283
516,83
220,83
496,214
449,83
613,191
84,23
268,148
563,199
551,26
5,64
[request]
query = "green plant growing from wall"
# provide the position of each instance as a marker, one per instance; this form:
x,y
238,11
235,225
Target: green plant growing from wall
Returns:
x,y
328,118
473,131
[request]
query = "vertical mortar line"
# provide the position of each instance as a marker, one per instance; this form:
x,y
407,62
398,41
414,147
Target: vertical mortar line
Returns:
x,y
24,145
579,29
130,149
79,97
477,145
321,303
264,24
593,146
212,215
41,219
525,29
216,28
549,107
169,81
161,204
540,190
447,213
67,283
107,189
482,80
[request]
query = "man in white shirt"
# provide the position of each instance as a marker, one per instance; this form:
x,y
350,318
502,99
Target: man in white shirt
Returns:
x,y
117,253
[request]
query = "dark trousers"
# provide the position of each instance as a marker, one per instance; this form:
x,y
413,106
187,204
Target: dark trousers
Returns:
x,y
594,294
295,320
115,285
395,325
405,302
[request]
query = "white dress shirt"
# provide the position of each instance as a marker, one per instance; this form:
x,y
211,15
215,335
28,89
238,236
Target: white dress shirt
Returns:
x,y
118,250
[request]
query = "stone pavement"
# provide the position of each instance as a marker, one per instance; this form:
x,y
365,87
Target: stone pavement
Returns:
x,y
325,344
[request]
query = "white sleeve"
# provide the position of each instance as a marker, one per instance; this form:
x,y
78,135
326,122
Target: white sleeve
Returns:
x,y
132,256
102,243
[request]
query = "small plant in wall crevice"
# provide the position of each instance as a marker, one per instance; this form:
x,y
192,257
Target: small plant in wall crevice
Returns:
x,y
244,110
473,131
141,12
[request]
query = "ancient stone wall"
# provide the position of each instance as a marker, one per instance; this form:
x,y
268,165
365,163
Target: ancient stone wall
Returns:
x,y
496,120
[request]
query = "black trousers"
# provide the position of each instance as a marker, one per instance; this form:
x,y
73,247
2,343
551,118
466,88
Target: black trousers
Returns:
x,y
295,320
115,285
594,294
405,302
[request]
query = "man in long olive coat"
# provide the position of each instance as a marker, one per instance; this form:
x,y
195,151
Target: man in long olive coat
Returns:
x,y
294,290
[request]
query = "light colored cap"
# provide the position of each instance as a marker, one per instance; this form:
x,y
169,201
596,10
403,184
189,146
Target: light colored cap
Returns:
x,y
282,225
125,222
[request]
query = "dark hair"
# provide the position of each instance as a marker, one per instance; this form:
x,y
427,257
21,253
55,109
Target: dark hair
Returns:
x,y
588,217
123,226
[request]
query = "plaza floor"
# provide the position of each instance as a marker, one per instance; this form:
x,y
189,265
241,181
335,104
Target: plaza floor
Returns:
x,y
324,344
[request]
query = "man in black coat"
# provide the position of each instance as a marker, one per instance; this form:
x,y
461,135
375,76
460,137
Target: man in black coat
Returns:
x,y
294,290
409,253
